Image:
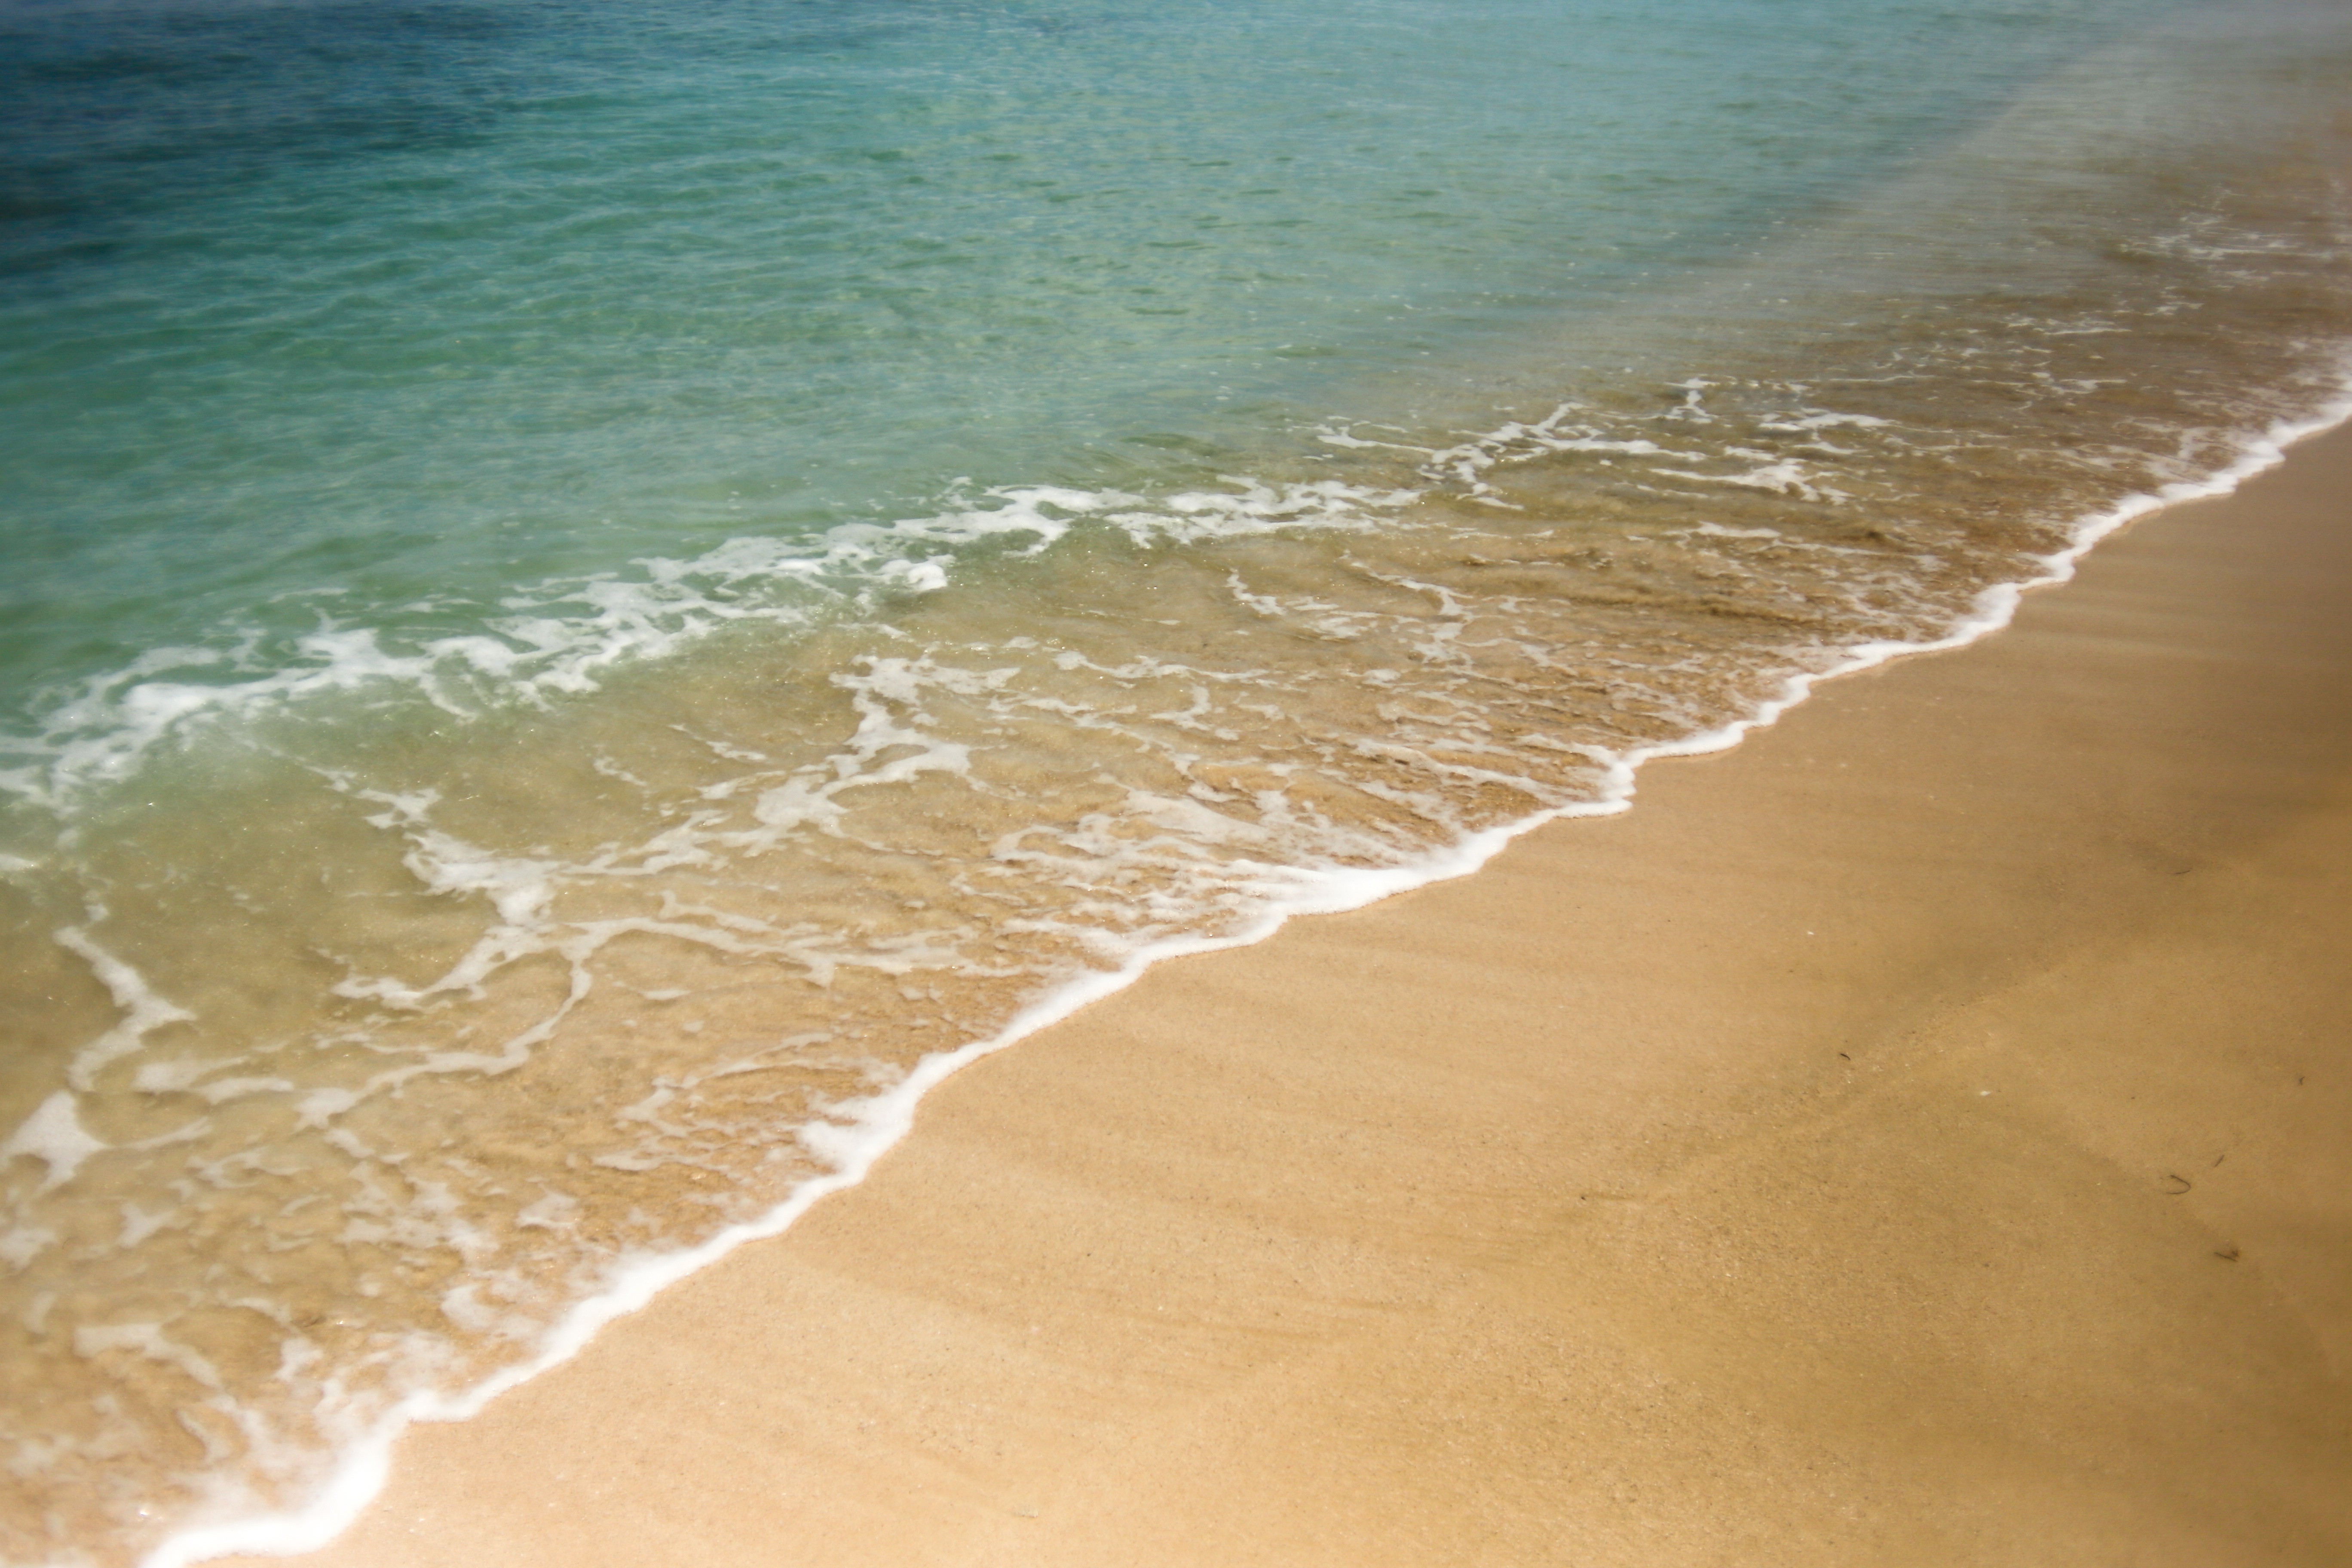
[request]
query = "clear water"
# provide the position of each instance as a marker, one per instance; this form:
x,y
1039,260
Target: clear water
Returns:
x,y
370,315
586,584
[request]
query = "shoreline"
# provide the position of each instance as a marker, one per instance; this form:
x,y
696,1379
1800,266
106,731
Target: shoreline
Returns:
x,y
1290,963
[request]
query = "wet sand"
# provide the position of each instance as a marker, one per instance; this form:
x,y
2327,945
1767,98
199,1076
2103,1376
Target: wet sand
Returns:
x,y
1922,1135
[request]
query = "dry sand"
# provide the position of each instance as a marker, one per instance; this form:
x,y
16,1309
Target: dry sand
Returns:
x,y
1922,1135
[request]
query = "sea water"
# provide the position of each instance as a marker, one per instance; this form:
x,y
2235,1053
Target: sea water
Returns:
x,y
592,591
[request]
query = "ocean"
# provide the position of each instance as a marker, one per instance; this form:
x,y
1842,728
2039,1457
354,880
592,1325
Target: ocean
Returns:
x,y
595,596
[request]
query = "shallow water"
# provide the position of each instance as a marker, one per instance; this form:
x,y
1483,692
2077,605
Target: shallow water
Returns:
x,y
586,590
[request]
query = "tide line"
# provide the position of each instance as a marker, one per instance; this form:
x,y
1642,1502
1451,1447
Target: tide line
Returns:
x,y
862,1131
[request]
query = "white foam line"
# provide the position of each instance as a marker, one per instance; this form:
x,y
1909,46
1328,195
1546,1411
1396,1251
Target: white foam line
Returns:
x,y
874,1125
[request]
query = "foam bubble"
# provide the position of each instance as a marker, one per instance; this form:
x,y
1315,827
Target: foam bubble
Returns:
x,y
54,1134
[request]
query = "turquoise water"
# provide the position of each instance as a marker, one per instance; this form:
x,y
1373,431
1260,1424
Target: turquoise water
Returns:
x,y
369,317
588,588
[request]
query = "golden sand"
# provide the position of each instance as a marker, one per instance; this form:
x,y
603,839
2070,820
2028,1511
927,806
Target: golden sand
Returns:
x,y
1922,1135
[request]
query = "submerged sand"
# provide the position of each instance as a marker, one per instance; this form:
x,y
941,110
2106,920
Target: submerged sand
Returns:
x,y
1921,1135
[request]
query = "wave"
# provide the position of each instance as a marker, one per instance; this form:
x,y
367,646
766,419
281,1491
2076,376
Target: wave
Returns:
x,y
856,1133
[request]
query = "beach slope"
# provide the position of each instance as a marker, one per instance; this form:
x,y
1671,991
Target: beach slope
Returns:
x,y
1923,1134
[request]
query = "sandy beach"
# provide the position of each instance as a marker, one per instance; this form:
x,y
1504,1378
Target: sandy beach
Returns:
x,y
1920,1135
